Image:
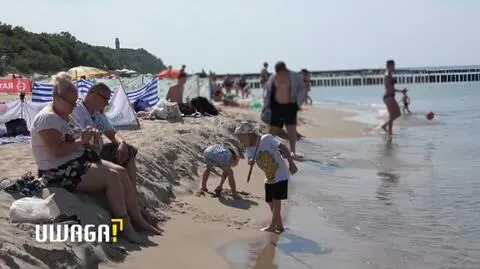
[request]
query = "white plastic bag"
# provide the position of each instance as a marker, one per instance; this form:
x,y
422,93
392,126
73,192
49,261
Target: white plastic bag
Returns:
x,y
159,112
30,210
165,110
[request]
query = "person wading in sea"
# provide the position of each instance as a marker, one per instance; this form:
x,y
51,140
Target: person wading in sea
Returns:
x,y
389,97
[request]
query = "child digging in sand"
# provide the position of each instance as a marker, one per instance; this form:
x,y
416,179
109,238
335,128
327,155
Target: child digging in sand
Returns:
x,y
225,158
268,153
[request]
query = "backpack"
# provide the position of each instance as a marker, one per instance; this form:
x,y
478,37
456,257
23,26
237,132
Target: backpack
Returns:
x,y
203,106
16,127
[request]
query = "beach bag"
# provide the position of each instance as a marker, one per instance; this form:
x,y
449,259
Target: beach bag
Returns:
x,y
203,106
31,210
266,115
17,127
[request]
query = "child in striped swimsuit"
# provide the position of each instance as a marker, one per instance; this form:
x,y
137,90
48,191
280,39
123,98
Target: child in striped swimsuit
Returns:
x,y
225,158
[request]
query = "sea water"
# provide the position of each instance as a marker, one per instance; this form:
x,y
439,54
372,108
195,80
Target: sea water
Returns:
x,y
370,202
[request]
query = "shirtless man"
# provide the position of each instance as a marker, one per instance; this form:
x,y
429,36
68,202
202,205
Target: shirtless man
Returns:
x,y
389,97
175,93
284,96
264,77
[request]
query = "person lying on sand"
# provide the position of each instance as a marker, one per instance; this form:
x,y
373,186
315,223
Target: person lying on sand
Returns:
x,y
224,157
64,156
90,113
268,153
228,99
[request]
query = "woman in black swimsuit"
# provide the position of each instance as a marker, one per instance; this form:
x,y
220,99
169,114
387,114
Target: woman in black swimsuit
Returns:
x,y
389,97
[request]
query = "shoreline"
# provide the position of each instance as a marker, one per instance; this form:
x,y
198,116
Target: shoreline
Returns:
x,y
169,166
201,226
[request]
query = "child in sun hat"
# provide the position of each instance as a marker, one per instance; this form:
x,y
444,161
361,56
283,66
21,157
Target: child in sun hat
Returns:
x,y
267,152
225,158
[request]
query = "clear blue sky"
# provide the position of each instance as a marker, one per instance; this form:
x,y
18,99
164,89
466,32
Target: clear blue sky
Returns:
x,y
239,35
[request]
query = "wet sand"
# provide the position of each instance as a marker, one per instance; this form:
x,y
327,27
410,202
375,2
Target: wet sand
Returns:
x,y
201,228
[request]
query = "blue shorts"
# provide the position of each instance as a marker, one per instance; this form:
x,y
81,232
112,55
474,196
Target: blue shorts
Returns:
x,y
217,155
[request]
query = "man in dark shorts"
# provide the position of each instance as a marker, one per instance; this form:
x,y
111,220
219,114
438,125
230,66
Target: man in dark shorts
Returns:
x,y
283,99
243,87
89,113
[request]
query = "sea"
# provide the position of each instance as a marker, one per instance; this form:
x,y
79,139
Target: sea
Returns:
x,y
412,201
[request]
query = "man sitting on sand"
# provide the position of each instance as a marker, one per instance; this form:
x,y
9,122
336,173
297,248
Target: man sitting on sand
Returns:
x,y
63,153
90,113
175,94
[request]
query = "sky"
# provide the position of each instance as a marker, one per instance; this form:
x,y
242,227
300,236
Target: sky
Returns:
x,y
236,36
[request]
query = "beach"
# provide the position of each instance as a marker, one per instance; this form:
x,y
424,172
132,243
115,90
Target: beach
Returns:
x,y
169,164
359,201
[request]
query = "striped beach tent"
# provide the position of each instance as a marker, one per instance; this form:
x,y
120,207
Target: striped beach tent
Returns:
x,y
148,93
83,87
43,92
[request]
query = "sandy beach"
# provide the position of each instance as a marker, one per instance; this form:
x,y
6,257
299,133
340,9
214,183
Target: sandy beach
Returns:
x,y
169,163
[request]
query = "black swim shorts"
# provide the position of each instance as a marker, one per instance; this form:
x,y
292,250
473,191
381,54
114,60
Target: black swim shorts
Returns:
x,y
284,114
276,191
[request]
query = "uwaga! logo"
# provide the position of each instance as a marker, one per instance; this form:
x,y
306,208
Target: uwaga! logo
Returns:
x,y
79,233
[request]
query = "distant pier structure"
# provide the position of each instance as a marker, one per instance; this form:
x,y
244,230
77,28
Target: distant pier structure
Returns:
x,y
369,77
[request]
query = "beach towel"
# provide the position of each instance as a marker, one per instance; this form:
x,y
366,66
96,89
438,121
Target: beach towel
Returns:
x,y
21,139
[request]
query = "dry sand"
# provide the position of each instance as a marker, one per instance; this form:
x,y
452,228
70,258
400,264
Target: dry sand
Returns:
x,y
169,163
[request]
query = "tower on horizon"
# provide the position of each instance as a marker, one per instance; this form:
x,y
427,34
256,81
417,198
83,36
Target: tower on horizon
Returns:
x,y
117,43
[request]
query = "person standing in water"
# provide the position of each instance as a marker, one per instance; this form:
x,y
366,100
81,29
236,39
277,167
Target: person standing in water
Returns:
x,y
389,97
264,77
283,98
306,82
406,103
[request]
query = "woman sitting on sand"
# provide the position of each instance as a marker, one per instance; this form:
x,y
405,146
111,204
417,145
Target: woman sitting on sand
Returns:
x,y
224,157
64,157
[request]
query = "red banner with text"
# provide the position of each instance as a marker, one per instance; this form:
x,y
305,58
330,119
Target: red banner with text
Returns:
x,y
15,85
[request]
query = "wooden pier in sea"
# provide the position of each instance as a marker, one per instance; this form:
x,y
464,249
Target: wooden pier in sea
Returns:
x,y
369,77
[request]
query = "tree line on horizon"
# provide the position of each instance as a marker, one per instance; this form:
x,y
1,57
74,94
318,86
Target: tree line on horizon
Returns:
x,y
25,52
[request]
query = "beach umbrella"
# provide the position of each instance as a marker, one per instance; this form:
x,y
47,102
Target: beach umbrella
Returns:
x,y
87,71
173,73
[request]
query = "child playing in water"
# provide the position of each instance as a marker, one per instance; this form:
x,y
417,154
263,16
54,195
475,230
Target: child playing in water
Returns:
x,y
406,102
268,153
225,158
